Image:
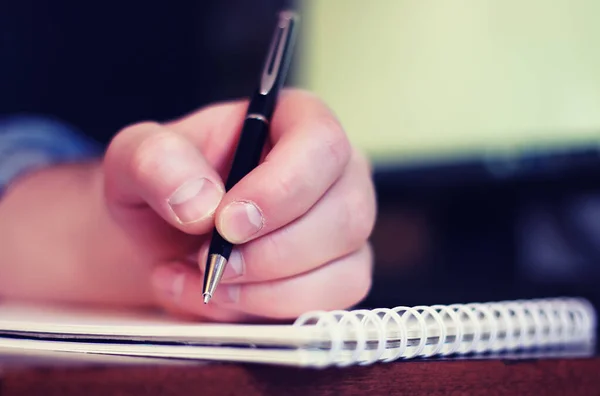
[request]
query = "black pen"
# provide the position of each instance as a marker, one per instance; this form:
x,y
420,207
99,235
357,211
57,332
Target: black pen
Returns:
x,y
252,139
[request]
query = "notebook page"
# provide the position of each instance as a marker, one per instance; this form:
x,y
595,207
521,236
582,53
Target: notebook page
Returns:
x,y
14,356
288,357
53,321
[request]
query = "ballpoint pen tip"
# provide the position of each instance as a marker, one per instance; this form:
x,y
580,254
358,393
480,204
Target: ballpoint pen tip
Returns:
x,y
206,298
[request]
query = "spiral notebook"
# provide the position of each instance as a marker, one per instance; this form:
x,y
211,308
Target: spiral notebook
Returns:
x,y
565,326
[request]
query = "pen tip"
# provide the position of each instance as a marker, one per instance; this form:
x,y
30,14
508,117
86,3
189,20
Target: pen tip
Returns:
x,y
207,297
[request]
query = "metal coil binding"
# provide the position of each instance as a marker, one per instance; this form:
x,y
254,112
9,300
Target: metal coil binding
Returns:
x,y
387,334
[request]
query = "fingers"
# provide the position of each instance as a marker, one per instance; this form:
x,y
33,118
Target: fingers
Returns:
x,y
301,218
148,164
310,154
310,151
338,285
340,223
215,131
177,290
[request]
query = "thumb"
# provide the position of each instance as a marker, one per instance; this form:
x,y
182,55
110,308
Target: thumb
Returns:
x,y
150,166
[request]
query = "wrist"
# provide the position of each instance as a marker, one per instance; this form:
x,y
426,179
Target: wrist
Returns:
x,y
43,216
62,243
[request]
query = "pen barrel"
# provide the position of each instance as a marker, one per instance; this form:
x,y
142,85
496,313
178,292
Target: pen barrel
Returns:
x,y
263,104
247,156
249,150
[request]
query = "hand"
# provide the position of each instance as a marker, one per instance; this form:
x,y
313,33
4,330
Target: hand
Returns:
x,y
301,219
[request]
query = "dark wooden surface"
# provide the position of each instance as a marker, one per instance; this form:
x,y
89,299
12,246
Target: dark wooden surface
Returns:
x,y
458,377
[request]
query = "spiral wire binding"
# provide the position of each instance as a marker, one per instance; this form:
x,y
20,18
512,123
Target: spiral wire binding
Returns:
x,y
365,337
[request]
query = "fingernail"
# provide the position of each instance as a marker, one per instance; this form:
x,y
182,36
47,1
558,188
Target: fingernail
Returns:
x,y
227,294
235,266
195,200
169,282
240,220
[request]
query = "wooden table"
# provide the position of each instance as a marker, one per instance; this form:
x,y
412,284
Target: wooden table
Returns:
x,y
579,376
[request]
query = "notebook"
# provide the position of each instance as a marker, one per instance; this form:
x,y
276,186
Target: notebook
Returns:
x,y
565,326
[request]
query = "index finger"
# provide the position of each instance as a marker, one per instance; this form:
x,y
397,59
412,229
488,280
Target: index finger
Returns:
x,y
310,152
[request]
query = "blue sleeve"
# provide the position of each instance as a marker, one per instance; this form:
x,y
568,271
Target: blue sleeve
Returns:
x,y
29,143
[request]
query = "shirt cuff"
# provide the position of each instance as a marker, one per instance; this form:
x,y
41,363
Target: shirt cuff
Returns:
x,y
31,143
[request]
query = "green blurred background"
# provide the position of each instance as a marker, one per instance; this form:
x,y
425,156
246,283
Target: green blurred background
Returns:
x,y
413,80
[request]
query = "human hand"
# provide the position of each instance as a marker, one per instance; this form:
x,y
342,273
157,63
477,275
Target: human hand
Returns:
x,y
302,218
135,229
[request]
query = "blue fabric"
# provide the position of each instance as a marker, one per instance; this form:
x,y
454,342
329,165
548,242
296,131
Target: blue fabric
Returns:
x,y
29,143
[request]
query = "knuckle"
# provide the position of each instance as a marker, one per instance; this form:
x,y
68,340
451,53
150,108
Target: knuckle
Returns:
x,y
295,96
360,279
359,215
145,158
119,153
130,133
121,143
297,93
291,185
288,183
336,144
332,137
139,127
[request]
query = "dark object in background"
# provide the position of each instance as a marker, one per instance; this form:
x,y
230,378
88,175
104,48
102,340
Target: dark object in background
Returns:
x,y
103,65
459,232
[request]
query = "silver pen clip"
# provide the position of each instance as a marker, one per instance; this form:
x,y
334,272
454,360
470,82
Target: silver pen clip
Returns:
x,y
275,62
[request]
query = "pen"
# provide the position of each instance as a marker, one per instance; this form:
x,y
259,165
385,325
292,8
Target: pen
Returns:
x,y
252,139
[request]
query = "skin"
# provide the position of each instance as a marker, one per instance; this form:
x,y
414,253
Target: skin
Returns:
x,y
120,232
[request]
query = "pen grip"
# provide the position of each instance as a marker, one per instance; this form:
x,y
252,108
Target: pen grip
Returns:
x,y
249,150
247,155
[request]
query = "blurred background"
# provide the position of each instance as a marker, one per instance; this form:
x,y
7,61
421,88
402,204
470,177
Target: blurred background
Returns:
x,y
482,118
